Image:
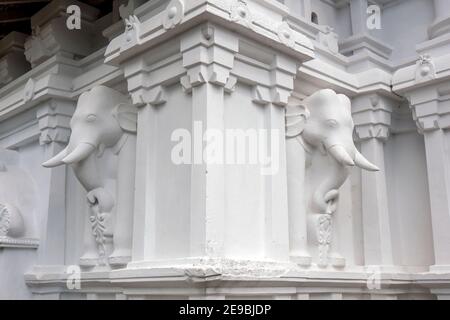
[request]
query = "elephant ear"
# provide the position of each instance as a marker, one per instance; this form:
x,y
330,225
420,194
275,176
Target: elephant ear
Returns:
x,y
296,117
126,116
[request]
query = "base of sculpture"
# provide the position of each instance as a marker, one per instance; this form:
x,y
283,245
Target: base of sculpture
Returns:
x,y
206,278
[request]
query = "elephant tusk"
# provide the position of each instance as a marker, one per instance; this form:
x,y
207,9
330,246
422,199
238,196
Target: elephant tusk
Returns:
x,y
363,163
56,160
341,155
81,152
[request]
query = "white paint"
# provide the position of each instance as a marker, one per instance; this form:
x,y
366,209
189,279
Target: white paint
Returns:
x,y
230,65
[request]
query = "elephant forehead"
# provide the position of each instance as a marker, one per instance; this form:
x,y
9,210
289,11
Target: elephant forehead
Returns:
x,y
96,103
334,110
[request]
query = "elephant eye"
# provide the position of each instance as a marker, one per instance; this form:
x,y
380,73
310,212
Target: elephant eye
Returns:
x,y
91,118
332,123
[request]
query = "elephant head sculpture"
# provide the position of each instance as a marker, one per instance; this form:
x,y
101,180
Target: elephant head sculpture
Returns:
x,y
101,118
327,125
322,123
104,118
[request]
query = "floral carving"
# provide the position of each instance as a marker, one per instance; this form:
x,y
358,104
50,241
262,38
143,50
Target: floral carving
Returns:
x,y
98,224
324,227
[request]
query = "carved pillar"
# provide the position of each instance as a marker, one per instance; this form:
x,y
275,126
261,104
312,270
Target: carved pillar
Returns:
x,y
372,117
53,120
428,106
426,87
206,82
208,56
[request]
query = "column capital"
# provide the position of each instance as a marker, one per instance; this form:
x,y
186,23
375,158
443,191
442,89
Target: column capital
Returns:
x,y
372,115
428,106
54,120
208,54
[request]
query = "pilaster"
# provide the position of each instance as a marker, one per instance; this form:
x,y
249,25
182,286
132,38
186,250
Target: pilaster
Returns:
x,y
372,117
429,107
54,125
225,81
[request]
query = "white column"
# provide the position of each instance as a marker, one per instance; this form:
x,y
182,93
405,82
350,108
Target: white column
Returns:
x,y
208,56
427,107
372,117
53,118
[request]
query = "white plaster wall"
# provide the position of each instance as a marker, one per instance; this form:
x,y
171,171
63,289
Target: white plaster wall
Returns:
x,y
404,25
409,201
248,212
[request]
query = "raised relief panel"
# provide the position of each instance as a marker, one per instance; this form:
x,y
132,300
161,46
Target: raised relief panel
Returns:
x,y
17,204
320,150
101,148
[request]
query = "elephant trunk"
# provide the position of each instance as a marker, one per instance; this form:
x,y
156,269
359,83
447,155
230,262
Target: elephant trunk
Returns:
x,y
325,196
327,191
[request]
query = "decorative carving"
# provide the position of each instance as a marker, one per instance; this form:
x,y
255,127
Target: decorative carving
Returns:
x,y
53,120
286,34
11,221
28,92
174,14
98,225
324,229
323,130
330,39
104,118
426,69
231,84
261,95
241,14
155,96
132,30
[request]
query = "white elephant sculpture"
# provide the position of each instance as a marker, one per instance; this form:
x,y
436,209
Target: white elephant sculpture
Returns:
x,y
322,125
104,118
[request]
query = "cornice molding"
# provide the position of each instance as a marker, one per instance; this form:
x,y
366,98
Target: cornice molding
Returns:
x,y
241,15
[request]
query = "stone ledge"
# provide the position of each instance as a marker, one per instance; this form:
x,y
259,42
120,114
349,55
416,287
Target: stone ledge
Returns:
x,y
22,243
